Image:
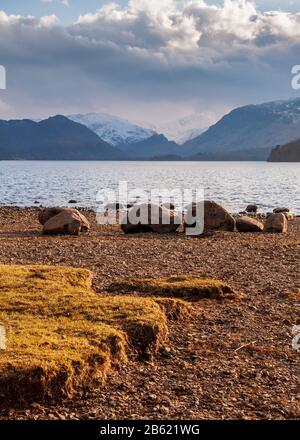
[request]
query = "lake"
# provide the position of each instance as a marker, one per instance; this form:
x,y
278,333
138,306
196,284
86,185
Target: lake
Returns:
x,y
233,184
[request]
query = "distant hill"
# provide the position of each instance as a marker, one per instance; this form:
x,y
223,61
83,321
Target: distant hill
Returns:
x,y
56,138
166,158
286,153
252,127
157,145
256,154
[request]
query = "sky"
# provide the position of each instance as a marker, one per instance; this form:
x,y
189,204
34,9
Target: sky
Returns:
x,y
69,10
147,61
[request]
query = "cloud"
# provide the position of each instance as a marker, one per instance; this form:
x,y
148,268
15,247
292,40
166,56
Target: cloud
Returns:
x,y
161,58
64,2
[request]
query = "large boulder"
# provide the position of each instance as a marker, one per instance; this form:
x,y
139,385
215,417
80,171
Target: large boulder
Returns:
x,y
276,223
216,217
47,213
249,224
150,218
63,221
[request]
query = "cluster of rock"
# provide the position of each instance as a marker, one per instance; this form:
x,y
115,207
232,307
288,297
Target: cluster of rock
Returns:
x,y
216,217
274,222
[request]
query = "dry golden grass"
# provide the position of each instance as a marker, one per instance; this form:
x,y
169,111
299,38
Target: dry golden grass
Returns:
x,y
183,286
174,308
62,338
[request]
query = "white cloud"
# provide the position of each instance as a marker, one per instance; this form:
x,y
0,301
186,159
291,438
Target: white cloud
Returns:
x,y
181,52
49,20
189,21
64,2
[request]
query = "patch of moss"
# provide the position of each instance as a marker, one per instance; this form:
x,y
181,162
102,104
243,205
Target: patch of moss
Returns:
x,y
174,308
63,338
183,286
54,358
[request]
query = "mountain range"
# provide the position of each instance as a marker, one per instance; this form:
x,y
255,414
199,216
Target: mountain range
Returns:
x,y
246,133
117,131
249,128
56,138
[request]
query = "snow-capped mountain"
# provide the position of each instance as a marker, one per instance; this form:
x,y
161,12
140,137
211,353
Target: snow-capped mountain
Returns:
x,y
261,126
186,128
288,111
114,130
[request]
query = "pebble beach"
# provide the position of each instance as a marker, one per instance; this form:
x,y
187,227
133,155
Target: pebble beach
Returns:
x,y
227,360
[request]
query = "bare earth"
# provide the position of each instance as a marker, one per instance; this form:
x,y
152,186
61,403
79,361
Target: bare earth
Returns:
x,y
228,360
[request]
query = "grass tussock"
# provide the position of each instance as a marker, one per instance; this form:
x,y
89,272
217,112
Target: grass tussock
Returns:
x,y
62,338
185,286
174,308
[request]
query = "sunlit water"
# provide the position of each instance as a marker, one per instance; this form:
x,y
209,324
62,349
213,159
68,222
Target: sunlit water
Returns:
x,y
233,184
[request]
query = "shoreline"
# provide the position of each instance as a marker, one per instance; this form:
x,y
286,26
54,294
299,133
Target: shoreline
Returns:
x,y
204,374
259,214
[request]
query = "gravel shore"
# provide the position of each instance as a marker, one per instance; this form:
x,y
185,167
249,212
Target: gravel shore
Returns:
x,y
227,360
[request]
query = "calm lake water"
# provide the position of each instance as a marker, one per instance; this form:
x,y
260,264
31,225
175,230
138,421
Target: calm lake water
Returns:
x,y
233,184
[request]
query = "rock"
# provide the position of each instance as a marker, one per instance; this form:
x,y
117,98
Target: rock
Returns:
x,y
281,210
36,405
289,216
72,202
63,221
215,217
249,224
47,213
252,208
276,223
286,211
167,221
